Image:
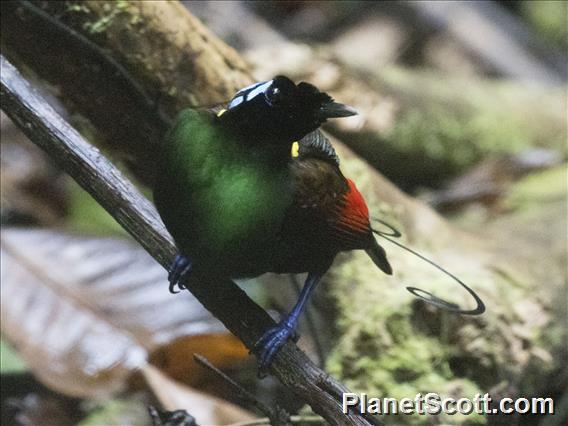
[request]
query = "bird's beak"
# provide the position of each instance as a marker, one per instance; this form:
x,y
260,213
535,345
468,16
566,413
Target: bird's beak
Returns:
x,y
336,110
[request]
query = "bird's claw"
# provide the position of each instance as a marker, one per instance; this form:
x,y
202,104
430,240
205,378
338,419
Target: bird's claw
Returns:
x,y
179,271
271,341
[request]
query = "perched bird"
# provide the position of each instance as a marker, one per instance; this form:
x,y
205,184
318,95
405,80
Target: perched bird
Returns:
x,y
240,203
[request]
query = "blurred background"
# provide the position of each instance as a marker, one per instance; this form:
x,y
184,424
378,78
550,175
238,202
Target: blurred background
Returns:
x,y
460,142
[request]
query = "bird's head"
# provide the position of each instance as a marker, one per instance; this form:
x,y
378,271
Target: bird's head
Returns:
x,y
280,111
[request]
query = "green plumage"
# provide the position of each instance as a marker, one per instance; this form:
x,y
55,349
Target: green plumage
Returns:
x,y
222,203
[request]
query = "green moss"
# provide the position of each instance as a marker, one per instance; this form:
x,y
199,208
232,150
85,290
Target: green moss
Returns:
x,y
391,346
434,134
112,9
405,358
459,139
536,189
457,122
136,19
75,7
414,364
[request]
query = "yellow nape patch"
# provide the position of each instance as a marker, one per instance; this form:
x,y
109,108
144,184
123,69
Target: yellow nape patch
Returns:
x,y
295,149
220,113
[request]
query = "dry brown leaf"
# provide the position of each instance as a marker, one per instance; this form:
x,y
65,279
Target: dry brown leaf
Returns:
x,y
85,312
176,359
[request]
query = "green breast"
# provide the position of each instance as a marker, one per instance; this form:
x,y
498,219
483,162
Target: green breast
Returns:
x,y
217,198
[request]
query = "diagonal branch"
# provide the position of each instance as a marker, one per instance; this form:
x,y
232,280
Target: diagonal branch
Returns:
x,y
244,318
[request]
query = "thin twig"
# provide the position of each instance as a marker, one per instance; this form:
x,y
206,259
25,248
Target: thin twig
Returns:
x,y
242,392
277,415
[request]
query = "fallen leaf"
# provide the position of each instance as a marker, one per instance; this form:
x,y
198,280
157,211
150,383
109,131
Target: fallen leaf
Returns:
x,y
85,312
176,359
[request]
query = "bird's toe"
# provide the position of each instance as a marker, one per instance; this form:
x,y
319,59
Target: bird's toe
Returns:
x,y
179,271
270,343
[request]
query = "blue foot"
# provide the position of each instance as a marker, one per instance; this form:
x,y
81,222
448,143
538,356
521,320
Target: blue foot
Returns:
x,y
273,339
179,271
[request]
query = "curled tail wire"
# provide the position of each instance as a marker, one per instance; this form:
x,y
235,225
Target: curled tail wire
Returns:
x,y
425,295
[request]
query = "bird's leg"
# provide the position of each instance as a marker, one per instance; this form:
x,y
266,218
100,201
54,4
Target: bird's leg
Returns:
x,y
179,271
273,339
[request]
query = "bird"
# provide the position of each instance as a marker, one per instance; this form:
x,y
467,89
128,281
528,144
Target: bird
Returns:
x,y
258,188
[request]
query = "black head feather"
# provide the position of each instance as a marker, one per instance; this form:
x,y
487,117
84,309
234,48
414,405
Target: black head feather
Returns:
x,y
279,111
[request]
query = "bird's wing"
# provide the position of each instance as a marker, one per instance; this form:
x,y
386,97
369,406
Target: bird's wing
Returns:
x,y
328,209
326,204
316,145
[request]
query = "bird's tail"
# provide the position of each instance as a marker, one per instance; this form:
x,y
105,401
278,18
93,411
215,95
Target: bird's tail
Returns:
x,y
379,257
377,253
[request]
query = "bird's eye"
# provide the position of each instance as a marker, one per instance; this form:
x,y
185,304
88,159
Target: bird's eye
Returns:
x,y
273,95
